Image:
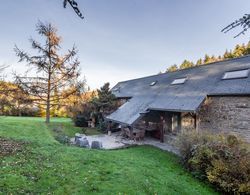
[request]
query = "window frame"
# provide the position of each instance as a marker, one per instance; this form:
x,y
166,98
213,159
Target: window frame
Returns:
x,y
224,77
153,83
176,82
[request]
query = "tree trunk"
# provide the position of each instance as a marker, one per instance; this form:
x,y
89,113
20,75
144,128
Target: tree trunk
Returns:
x,y
48,101
48,111
19,110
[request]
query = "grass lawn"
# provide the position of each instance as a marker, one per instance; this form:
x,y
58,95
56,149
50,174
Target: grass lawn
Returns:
x,y
44,166
69,129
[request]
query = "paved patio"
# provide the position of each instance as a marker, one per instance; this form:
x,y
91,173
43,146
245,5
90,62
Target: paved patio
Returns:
x,y
153,142
116,141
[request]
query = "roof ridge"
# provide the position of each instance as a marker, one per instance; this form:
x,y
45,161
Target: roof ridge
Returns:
x,y
193,67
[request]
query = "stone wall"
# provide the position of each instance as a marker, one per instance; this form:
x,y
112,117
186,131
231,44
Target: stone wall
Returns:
x,y
229,114
187,122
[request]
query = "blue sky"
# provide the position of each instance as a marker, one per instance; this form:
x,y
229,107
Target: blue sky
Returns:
x,y
120,40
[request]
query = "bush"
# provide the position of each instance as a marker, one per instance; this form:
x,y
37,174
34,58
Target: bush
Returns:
x,y
103,126
81,121
80,113
63,139
83,131
59,135
223,160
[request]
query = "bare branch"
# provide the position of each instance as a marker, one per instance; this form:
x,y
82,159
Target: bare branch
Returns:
x,y
244,22
74,5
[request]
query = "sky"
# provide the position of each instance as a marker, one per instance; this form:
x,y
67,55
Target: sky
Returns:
x,y
121,40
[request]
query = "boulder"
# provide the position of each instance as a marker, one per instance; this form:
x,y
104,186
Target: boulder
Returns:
x,y
82,142
79,136
96,145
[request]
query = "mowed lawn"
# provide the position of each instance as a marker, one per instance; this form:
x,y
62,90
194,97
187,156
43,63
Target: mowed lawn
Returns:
x,y
44,166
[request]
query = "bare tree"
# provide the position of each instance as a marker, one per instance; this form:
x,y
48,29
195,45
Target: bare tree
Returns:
x,y
56,75
74,5
243,22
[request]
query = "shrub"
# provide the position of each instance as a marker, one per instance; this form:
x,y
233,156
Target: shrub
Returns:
x,y
59,135
223,160
83,131
80,113
81,121
63,139
103,126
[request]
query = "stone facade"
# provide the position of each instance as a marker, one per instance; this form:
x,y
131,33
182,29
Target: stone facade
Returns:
x,y
187,122
229,114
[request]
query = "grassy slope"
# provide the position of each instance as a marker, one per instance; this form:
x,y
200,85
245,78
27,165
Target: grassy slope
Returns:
x,y
47,166
66,125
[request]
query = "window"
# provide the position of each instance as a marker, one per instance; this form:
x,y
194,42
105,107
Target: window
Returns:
x,y
179,81
176,123
236,74
153,83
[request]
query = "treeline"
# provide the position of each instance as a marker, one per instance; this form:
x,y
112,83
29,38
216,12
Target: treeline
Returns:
x,y
15,101
238,51
81,107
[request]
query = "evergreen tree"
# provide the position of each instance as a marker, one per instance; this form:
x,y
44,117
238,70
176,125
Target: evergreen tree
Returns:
x,y
213,59
172,68
186,64
238,50
219,58
105,102
247,49
228,54
199,62
207,59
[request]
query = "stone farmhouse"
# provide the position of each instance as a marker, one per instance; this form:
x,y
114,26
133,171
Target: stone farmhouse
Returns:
x,y
212,97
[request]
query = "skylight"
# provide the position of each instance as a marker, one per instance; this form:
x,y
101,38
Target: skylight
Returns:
x,y
236,74
179,81
153,83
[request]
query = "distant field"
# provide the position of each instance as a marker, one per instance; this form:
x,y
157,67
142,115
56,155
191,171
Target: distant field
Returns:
x,y
44,166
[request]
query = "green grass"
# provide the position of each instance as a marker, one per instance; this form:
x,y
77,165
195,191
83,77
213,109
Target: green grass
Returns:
x,y
34,128
44,166
69,129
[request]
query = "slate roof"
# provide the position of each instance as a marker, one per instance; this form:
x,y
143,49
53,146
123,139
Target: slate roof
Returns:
x,y
201,82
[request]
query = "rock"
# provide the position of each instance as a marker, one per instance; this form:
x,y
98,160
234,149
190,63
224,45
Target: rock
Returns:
x,y
96,145
82,142
79,136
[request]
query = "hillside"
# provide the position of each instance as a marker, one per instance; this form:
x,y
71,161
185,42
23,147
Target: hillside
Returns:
x,y
36,163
